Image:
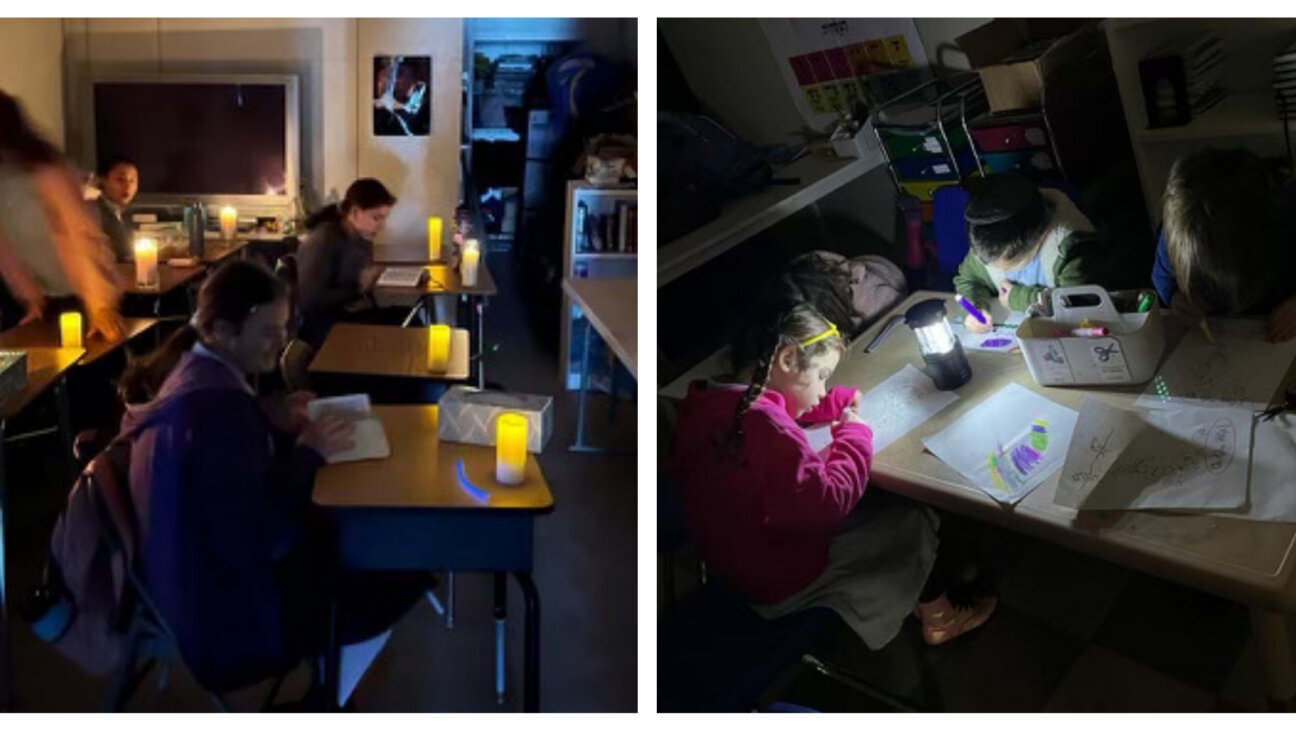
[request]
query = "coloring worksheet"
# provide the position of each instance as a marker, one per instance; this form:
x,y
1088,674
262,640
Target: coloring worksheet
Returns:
x,y
1271,492
1002,339
1240,369
1008,444
1187,458
901,402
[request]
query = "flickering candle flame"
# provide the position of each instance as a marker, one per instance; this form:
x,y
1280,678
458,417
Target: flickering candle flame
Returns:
x,y
434,238
510,448
438,348
228,222
146,263
70,329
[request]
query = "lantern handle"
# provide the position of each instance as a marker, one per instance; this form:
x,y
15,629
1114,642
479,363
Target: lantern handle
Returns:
x,y
892,322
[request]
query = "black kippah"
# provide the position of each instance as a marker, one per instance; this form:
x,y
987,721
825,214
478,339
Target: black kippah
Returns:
x,y
998,198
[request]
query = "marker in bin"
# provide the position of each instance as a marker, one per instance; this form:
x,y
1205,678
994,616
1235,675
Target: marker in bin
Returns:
x,y
1085,332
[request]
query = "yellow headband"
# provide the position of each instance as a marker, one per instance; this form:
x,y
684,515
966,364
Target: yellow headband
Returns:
x,y
832,331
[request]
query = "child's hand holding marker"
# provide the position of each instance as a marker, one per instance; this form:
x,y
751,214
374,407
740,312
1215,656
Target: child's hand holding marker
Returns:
x,y
976,321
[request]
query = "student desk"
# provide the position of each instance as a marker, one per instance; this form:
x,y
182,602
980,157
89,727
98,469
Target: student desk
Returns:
x,y
443,279
409,254
45,334
386,350
169,280
45,370
611,307
411,511
217,251
1250,562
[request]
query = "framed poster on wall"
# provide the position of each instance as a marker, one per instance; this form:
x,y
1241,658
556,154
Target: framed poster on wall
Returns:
x,y
402,96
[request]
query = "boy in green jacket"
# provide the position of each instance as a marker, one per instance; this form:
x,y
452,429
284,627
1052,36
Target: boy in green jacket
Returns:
x,y
1024,239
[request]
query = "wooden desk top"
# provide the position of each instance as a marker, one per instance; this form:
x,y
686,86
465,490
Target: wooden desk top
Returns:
x,y
1248,561
444,280
216,251
44,367
387,350
612,306
169,278
45,334
422,472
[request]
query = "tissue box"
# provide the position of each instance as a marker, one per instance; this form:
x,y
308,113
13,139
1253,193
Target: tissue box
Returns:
x,y
468,415
13,373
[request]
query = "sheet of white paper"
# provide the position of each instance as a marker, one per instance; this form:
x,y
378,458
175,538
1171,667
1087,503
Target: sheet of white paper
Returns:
x,y
899,403
1008,444
819,436
1271,494
349,406
1184,459
1000,339
1240,369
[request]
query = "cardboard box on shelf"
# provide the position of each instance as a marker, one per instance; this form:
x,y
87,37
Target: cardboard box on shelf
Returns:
x,y
1016,59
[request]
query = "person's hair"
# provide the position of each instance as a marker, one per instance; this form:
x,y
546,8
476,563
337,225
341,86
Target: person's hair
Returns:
x,y
1012,234
109,163
364,193
778,324
232,294
20,144
1218,224
821,283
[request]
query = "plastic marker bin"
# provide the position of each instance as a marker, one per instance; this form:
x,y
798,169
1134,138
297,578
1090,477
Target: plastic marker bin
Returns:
x,y
1128,355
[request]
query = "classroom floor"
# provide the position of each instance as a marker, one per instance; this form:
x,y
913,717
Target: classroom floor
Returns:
x,y
1071,634
585,571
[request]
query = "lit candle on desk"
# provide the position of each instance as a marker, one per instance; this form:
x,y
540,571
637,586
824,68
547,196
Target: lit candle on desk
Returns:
x,y
434,238
70,329
146,263
438,348
468,267
228,222
510,448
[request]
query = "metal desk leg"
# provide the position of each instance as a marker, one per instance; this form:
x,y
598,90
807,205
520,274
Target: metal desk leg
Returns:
x,y
531,652
332,661
450,600
6,639
501,615
579,445
479,312
1272,634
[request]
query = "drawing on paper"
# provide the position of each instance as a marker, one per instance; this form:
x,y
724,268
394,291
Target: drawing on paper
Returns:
x,y
1239,370
1212,450
996,342
1010,469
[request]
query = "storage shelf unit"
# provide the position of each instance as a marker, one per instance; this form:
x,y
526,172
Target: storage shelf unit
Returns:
x,y
590,265
1247,117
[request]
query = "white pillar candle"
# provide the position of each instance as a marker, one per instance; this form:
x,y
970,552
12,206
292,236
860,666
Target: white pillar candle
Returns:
x,y
468,267
146,264
510,448
438,348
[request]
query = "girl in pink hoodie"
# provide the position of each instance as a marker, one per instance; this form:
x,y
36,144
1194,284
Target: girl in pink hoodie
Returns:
x,y
778,520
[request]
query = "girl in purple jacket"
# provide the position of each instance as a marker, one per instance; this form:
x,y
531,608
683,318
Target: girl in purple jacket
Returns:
x,y
222,482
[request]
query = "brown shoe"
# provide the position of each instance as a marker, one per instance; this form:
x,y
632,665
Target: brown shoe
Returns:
x,y
943,621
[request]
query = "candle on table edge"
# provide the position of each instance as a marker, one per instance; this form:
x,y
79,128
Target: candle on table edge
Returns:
x,y
510,448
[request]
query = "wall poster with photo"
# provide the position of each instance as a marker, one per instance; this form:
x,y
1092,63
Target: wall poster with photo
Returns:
x,y
402,96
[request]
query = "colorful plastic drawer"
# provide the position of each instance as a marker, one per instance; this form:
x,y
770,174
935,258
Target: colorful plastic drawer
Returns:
x,y
1031,163
1002,138
909,142
924,190
934,168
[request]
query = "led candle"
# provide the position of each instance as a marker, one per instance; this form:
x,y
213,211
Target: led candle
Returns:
x,y
468,267
434,238
438,348
70,329
472,245
228,223
146,264
510,448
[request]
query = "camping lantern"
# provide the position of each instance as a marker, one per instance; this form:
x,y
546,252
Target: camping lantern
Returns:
x,y
946,363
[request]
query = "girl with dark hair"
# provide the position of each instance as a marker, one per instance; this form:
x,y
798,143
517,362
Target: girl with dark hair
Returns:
x,y
222,482
335,261
778,520
51,251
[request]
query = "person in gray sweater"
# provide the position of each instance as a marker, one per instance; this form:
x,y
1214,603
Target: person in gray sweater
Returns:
x,y
335,261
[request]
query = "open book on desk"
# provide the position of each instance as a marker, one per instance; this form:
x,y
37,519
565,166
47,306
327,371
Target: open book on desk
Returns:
x,y
402,276
370,439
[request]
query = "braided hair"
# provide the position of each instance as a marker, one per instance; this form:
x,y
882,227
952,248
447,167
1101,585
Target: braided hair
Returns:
x,y
786,323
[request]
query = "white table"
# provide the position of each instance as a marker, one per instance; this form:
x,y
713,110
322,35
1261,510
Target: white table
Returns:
x,y
611,308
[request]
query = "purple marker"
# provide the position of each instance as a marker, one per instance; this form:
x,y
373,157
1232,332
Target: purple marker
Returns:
x,y
971,309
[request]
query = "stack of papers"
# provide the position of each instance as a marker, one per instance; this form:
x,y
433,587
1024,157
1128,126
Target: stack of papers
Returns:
x,y
402,277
